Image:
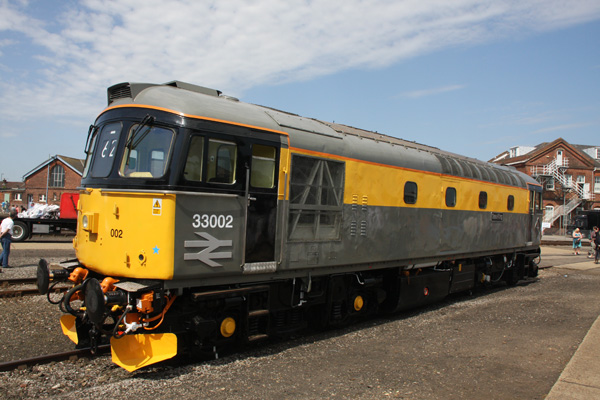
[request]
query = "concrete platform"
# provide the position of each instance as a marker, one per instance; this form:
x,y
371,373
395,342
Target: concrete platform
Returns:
x,y
581,377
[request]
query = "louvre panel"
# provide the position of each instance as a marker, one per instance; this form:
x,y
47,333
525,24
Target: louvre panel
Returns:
x,y
119,92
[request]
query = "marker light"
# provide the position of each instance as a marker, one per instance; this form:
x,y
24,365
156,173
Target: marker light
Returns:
x,y
89,222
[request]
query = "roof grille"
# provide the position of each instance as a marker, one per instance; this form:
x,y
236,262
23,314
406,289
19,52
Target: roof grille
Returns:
x,y
119,92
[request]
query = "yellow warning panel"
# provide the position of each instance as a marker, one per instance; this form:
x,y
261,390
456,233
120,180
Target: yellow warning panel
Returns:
x,y
156,206
136,351
67,322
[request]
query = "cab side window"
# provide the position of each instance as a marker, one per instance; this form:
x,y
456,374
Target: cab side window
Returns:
x,y
222,160
263,166
193,164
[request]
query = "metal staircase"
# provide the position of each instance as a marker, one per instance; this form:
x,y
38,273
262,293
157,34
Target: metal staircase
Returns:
x,y
559,211
556,169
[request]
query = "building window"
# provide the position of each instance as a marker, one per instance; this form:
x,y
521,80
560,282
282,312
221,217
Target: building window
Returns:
x,y
559,158
597,184
510,204
483,200
549,212
42,198
18,197
410,192
568,180
57,176
450,197
550,184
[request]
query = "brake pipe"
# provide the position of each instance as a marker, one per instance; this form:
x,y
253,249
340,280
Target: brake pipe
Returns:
x,y
161,315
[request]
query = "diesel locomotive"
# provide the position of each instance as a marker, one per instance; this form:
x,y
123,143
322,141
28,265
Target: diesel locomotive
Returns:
x,y
205,222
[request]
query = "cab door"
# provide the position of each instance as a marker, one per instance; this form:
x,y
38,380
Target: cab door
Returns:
x,y
210,222
226,222
261,193
534,225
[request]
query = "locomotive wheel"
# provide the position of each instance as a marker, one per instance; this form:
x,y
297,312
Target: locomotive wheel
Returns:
x,y
533,269
511,277
20,231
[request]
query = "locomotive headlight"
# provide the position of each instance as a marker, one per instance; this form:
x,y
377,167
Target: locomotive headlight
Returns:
x,y
89,222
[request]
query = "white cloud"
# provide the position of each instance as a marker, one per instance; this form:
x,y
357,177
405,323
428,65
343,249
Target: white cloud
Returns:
x,y
236,44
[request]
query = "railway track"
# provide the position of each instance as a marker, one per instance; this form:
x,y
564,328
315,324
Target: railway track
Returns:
x,y
45,359
17,281
17,287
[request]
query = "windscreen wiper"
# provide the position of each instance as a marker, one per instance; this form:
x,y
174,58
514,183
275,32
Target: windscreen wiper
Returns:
x,y
145,125
91,132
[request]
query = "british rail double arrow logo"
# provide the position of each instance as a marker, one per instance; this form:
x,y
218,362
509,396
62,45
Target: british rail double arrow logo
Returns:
x,y
207,256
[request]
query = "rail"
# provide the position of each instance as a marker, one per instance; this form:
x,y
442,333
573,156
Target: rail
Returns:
x,y
45,359
18,287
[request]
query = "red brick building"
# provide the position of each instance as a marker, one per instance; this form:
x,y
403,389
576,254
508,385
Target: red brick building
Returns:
x,y
570,174
49,180
12,194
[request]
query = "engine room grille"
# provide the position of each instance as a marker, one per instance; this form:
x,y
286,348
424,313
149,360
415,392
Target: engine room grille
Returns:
x,y
119,92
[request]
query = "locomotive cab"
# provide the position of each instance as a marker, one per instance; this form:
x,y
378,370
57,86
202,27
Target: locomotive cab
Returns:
x,y
172,203
169,205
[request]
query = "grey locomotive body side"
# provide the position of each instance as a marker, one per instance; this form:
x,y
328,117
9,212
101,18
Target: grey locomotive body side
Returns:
x,y
368,235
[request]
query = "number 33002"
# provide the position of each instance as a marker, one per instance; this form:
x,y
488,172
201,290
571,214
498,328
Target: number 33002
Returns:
x,y
212,221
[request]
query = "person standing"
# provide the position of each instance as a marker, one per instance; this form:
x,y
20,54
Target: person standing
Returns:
x,y
6,230
597,245
576,241
593,242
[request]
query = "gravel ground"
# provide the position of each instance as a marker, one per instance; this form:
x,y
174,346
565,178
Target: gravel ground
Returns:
x,y
29,326
504,343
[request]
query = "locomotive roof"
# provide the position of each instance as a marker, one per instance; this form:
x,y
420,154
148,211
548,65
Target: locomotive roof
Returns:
x,y
198,101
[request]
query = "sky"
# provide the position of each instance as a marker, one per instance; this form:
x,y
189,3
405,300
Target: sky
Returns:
x,y
473,77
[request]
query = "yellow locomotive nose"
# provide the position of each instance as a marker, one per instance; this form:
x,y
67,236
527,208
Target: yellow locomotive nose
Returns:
x,y
115,225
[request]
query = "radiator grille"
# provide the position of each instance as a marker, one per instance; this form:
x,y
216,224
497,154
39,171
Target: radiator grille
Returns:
x,y
119,92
